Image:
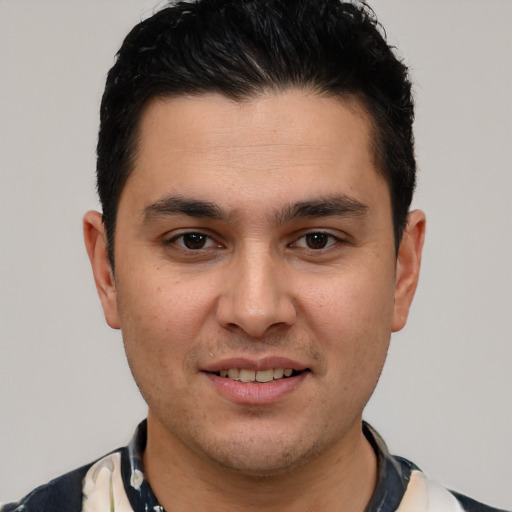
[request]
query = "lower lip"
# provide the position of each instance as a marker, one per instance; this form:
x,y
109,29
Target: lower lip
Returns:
x,y
254,393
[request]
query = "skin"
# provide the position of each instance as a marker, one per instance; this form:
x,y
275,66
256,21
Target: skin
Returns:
x,y
259,287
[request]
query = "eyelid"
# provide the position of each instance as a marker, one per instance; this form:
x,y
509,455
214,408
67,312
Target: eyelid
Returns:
x,y
335,240
212,242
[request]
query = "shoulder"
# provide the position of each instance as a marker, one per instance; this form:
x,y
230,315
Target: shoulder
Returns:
x,y
60,494
425,495
403,487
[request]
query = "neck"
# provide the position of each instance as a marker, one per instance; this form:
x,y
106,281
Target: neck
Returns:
x,y
340,479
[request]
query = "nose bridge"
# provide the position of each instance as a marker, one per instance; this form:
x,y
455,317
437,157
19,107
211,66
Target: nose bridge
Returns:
x,y
256,297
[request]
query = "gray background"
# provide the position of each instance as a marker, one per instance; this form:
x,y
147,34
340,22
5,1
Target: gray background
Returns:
x,y
66,395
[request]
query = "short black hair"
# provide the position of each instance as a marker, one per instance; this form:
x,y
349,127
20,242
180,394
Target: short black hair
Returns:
x,y
244,48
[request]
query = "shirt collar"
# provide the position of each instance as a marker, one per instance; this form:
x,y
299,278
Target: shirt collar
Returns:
x,y
393,474
136,486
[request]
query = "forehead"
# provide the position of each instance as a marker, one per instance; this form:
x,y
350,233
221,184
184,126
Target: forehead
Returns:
x,y
294,117
294,141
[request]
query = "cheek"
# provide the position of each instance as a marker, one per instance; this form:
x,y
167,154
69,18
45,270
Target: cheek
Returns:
x,y
351,319
160,301
349,306
161,321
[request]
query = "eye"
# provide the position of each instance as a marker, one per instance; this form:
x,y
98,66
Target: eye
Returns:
x,y
194,241
316,241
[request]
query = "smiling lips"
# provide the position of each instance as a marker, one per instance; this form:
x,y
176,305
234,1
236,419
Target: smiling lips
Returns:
x,y
248,382
261,376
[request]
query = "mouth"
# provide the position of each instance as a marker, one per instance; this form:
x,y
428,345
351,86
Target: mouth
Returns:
x,y
258,376
256,382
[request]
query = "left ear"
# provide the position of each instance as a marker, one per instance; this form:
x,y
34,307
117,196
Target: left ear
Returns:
x,y
408,267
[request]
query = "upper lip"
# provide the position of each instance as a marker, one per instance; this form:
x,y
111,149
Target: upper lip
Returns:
x,y
265,363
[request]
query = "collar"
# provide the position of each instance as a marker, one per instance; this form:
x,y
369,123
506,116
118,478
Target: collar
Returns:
x,y
393,474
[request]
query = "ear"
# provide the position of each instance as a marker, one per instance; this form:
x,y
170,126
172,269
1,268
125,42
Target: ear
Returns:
x,y
96,245
408,267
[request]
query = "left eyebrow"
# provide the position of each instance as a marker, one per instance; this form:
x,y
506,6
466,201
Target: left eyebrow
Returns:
x,y
330,206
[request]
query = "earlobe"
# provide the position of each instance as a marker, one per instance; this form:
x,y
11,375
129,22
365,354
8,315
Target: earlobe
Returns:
x,y
95,243
408,267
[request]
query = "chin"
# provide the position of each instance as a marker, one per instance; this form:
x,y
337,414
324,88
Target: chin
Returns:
x,y
264,457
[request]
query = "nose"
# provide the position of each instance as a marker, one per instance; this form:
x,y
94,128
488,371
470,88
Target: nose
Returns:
x,y
256,299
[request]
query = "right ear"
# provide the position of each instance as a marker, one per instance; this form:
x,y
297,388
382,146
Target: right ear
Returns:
x,y
96,245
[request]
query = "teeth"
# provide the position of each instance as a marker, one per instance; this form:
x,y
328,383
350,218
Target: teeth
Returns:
x,y
256,376
278,373
247,375
234,374
265,375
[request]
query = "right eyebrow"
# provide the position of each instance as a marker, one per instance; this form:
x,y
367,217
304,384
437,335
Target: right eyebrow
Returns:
x,y
180,205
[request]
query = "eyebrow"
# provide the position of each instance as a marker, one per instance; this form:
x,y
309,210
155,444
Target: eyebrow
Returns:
x,y
179,205
330,206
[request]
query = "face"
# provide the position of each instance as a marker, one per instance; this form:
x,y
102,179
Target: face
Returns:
x,y
256,279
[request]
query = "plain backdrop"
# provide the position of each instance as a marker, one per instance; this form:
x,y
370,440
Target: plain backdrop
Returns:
x,y
66,395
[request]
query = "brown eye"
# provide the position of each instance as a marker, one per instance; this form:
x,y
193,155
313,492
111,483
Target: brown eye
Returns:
x,y
317,240
194,240
192,243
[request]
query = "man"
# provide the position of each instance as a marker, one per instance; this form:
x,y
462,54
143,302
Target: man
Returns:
x,y
256,248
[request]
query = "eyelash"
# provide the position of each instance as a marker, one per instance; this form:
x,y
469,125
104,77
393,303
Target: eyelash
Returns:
x,y
330,240
204,236
327,239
